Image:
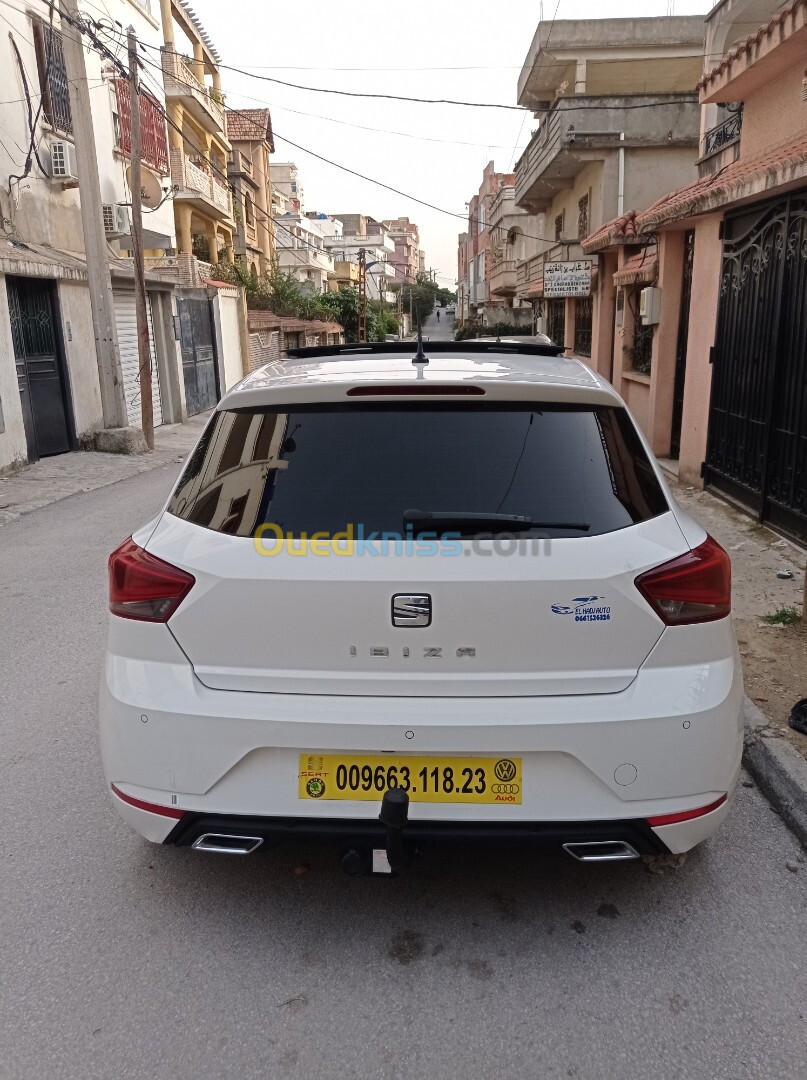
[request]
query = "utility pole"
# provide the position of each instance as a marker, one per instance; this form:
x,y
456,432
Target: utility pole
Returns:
x,y
362,335
99,279
143,350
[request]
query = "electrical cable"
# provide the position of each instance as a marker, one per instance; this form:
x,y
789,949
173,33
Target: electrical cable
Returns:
x,y
421,101
33,118
213,168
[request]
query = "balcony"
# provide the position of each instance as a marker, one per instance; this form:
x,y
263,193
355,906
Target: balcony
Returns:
x,y
721,144
239,164
528,273
198,183
295,255
503,278
182,85
562,147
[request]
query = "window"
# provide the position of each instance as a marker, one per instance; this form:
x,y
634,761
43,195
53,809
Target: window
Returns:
x,y
153,138
52,77
559,227
642,349
556,320
248,214
342,465
582,218
583,308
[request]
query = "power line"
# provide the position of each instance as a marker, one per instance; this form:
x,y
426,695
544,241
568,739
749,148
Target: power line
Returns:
x,y
431,101
163,112
346,123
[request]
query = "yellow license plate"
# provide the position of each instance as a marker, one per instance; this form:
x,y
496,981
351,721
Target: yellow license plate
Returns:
x,y
486,780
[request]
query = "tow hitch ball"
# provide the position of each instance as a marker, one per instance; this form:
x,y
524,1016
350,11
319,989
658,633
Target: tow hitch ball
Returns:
x,y
392,859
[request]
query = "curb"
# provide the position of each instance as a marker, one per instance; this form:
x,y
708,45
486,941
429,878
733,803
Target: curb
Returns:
x,y
779,770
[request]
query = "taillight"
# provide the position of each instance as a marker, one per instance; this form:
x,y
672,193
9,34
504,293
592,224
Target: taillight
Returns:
x,y
143,587
693,588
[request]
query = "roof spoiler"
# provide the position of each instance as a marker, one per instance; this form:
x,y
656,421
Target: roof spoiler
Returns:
x,y
409,348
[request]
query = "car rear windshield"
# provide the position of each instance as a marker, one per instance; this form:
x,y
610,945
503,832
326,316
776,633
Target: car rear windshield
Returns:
x,y
572,471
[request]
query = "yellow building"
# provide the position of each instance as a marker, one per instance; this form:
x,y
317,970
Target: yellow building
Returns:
x,y
203,208
250,133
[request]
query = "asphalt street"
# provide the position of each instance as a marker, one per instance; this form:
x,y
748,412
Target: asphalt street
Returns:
x,y
120,959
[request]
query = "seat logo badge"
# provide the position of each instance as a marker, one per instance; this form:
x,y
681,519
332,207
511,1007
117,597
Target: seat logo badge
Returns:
x,y
411,609
505,770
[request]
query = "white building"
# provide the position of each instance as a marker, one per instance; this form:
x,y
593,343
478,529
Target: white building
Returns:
x,y
301,249
286,182
50,397
50,388
357,232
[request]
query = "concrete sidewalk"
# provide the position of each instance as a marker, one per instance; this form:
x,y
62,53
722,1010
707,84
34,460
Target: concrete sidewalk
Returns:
x,y
55,478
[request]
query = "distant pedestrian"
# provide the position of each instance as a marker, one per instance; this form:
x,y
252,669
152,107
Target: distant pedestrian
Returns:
x,y
438,315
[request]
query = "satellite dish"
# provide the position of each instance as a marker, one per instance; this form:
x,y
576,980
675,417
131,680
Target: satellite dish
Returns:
x,y
151,191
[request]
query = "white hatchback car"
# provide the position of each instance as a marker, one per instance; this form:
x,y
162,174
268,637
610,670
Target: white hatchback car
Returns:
x,y
393,598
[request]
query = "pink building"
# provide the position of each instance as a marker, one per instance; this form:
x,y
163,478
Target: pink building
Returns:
x,y
710,328
405,234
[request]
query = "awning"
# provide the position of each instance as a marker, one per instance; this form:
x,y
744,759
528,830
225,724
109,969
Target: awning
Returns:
x,y
642,267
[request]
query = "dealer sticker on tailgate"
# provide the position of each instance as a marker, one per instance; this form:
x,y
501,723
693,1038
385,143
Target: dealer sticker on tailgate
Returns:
x,y
485,780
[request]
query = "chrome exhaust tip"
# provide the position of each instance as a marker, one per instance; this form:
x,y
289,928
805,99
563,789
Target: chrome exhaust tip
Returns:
x,y
227,844
601,851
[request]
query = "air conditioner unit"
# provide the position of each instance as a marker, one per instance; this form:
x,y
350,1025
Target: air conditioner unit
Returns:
x,y
63,161
650,306
117,220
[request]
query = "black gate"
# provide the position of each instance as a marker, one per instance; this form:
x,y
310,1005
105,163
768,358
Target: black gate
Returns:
x,y
197,344
757,450
40,369
681,344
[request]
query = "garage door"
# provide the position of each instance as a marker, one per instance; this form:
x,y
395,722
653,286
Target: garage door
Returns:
x,y
126,321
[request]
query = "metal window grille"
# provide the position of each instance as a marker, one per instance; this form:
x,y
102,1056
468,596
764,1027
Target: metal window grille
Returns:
x,y
583,310
559,227
582,218
52,77
153,137
642,351
556,320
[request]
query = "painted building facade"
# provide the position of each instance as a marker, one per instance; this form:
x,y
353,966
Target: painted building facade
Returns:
x,y
722,391
618,117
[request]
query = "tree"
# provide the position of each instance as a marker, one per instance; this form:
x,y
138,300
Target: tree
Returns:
x,y
343,306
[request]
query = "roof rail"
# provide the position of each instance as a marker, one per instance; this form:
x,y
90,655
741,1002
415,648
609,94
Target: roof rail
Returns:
x,y
406,348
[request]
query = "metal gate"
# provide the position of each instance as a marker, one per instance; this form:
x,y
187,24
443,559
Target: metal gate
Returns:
x,y
40,366
757,447
197,343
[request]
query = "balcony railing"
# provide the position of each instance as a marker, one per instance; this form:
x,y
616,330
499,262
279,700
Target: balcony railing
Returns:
x,y
180,81
239,163
197,177
503,276
723,134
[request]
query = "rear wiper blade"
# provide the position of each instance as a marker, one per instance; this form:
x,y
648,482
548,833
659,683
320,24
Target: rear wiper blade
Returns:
x,y
501,521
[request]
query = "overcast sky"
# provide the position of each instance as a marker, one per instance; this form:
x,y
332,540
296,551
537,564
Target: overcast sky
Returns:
x,y
422,48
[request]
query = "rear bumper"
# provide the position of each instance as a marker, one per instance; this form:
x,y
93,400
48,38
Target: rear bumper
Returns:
x,y
372,834
168,740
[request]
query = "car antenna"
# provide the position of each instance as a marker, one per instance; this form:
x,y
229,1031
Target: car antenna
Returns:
x,y
420,356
